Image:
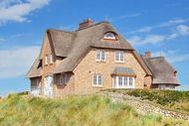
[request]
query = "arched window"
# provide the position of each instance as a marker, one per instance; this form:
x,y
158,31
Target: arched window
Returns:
x,y
110,36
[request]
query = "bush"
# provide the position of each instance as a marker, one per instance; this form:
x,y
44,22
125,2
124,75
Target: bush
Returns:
x,y
162,97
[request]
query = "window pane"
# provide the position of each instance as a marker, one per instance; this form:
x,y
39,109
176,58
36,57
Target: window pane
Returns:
x,y
95,80
98,55
130,81
117,56
64,79
121,56
102,55
125,81
120,81
99,80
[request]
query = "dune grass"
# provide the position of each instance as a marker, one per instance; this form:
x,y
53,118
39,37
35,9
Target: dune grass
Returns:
x,y
21,110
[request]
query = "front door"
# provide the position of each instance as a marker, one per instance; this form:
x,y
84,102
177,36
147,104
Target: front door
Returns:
x,y
48,86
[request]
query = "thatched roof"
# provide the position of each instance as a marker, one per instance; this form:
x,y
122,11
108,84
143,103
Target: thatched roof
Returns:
x,y
73,46
35,70
123,71
162,71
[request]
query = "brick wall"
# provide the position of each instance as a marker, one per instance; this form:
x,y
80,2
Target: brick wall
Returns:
x,y
148,82
81,80
46,69
89,66
61,90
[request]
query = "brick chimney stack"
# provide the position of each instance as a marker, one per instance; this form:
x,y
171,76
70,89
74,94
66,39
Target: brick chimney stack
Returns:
x,y
148,54
86,23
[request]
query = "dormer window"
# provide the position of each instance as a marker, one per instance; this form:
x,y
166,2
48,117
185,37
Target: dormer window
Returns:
x,y
175,74
110,36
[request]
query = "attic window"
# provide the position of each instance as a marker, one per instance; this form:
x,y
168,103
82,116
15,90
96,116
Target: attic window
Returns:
x,y
175,74
110,36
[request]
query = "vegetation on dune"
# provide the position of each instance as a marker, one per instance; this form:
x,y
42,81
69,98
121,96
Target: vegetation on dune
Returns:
x,y
176,100
22,110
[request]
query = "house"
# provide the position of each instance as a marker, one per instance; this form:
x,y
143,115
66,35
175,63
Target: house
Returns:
x,y
93,58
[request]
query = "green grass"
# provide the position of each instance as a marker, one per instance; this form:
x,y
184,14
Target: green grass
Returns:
x,y
21,110
175,100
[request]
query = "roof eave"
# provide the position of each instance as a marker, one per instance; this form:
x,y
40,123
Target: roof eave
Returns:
x,y
99,47
166,83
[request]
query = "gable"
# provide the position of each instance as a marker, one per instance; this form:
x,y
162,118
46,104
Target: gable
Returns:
x,y
47,46
62,41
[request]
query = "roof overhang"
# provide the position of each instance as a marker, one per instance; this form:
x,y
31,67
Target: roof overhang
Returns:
x,y
166,83
123,71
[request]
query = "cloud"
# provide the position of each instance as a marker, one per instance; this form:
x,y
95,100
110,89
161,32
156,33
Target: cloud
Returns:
x,y
180,31
150,39
18,10
16,62
145,29
172,22
133,15
129,16
173,56
19,35
160,25
183,30
178,58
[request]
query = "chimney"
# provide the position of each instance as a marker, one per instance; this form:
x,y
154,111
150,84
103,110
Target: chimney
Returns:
x,y
86,23
148,54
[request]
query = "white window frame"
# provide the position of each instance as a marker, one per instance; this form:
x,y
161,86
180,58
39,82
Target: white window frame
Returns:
x,y
46,59
51,59
122,82
101,55
97,77
119,56
110,38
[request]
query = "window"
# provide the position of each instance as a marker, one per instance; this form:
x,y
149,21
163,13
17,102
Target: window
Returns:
x,y
35,87
46,59
97,80
63,79
124,82
175,74
119,56
35,84
100,55
110,36
51,58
